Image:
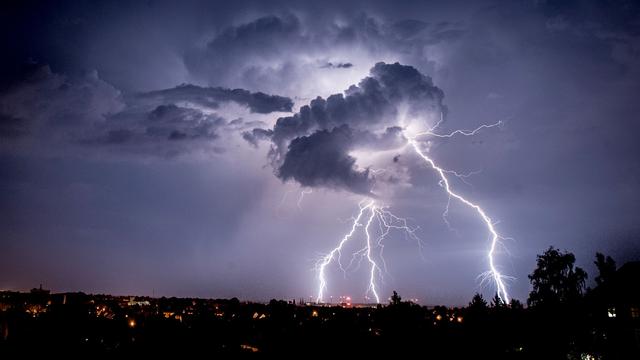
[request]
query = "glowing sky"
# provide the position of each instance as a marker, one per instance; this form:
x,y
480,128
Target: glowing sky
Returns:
x,y
140,150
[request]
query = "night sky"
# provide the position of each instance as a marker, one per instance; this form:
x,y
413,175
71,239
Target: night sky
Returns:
x,y
151,147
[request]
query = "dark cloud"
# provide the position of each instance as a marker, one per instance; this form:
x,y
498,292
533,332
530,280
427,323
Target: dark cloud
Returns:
x,y
176,122
250,54
59,110
367,116
321,159
339,65
49,102
267,35
256,135
224,58
167,130
211,97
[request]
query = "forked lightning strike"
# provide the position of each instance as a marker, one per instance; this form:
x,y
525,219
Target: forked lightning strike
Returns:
x,y
388,221
322,264
498,278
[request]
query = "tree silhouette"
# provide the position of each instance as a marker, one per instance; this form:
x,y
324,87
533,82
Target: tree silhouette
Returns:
x,y
555,280
606,267
496,302
478,303
395,298
516,304
477,312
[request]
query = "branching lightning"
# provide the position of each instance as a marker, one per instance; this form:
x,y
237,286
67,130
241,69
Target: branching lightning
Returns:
x,y
498,278
457,132
369,212
326,260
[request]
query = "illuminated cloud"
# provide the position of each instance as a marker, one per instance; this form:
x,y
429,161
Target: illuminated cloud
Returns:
x,y
313,146
299,56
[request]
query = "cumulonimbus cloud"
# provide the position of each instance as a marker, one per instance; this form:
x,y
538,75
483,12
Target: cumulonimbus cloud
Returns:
x,y
314,146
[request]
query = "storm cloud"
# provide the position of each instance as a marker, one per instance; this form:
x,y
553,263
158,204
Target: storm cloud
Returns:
x,y
320,53
211,97
56,110
122,180
321,159
312,146
49,104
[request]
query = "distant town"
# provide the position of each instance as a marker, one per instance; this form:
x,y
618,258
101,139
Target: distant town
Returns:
x,y
558,319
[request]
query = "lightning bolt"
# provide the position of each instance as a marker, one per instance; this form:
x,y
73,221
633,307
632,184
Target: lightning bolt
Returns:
x,y
457,132
301,197
388,221
374,266
369,212
336,252
498,278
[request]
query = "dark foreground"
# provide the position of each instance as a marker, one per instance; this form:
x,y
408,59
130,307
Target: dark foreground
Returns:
x,y
561,321
79,324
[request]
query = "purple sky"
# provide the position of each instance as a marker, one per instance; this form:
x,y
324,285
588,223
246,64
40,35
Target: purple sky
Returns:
x,y
130,160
